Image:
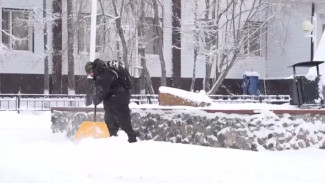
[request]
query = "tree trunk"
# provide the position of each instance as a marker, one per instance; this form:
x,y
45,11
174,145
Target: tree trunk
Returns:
x,y
196,46
215,41
121,32
208,38
159,34
47,42
176,42
194,69
71,32
145,75
208,67
57,50
223,75
145,79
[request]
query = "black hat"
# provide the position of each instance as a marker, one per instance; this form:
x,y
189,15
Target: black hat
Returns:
x,y
88,67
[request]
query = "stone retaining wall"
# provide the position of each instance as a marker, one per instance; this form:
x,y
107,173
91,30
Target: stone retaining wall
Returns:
x,y
264,130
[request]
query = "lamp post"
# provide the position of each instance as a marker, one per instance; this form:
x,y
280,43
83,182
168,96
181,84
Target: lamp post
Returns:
x,y
92,51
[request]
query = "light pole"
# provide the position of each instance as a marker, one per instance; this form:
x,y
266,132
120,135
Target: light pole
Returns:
x,y
93,21
307,27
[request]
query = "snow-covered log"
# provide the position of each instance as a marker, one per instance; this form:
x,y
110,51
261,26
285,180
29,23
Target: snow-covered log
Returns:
x,y
177,97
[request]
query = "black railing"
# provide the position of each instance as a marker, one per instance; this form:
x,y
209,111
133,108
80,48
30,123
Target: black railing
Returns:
x,y
41,102
44,102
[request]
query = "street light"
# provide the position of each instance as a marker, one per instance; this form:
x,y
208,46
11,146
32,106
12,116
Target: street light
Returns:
x,y
307,27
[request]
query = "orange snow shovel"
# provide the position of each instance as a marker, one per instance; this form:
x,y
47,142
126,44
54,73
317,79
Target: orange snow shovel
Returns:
x,y
92,129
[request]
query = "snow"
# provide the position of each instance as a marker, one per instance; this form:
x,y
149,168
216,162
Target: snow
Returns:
x,y
31,153
251,74
311,77
198,97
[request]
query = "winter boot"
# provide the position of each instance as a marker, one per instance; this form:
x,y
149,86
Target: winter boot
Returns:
x,y
132,139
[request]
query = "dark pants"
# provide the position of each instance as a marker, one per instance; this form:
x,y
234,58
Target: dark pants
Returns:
x,y
117,114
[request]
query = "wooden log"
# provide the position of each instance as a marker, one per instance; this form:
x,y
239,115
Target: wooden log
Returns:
x,y
166,99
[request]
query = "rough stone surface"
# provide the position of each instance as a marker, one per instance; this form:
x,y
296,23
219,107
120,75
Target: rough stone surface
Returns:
x,y
249,132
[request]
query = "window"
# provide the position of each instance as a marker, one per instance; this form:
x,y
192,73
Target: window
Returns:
x,y
84,34
18,33
252,38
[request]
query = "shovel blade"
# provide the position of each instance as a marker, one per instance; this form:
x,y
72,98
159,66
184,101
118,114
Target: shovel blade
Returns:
x,y
92,129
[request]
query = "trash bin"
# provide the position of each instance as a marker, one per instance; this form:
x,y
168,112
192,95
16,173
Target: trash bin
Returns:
x,y
253,85
250,84
306,88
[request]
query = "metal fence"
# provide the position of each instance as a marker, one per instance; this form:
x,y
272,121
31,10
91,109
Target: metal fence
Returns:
x,y
44,102
270,99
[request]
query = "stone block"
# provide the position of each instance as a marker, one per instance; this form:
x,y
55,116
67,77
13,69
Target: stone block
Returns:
x,y
166,99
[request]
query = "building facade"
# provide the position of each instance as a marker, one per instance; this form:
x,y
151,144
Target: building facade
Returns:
x,y
34,42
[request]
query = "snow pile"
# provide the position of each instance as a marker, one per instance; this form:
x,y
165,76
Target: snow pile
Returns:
x,y
251,74
287,132
311,77
30,153
195,97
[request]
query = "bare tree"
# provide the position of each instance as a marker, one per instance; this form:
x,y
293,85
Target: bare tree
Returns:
x,y
237,19
47,34
228,28
145,79
176,43
196,44
57,49
71,36
119,15
158,31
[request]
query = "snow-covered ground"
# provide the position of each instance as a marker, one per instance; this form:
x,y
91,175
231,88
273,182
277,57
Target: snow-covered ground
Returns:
x,y
31,153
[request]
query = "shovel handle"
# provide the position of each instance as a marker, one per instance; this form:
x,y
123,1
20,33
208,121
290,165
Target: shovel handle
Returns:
x,y
95,113
95,108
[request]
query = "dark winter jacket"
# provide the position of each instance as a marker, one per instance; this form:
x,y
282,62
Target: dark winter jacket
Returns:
x,y
106,82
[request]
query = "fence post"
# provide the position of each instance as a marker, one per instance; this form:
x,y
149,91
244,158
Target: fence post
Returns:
x,y
18,102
